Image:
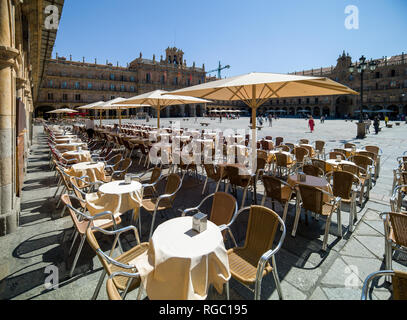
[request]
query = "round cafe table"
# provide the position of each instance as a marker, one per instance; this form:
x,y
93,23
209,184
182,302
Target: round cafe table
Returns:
x,y
181,264
79,156
69,146
124,190
318,182
95,171
336,163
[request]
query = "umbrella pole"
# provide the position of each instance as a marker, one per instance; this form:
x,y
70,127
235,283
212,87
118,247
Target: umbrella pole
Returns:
x,y
254,133
158,119
120,119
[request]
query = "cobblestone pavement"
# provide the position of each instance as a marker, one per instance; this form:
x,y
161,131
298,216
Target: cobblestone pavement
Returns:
x,y
43,238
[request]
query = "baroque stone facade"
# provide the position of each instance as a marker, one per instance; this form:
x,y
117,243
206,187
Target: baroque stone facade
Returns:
x,y
384,88
25,43
69,84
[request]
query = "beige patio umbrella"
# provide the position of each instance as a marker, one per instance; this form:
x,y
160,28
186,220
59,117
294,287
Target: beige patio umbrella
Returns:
x,y
257,88
159,99
91,106
110,105
60,111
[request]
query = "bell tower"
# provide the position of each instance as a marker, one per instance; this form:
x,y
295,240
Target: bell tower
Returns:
x,y
174,56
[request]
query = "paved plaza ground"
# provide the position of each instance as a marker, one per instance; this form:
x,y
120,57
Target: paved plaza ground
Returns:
x,y
305,271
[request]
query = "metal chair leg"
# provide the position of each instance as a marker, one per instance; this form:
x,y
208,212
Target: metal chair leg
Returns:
x,y
276,278
73,242
83,237
97,289
327,226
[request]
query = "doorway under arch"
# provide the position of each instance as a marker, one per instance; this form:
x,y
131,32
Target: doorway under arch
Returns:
x,y
41,112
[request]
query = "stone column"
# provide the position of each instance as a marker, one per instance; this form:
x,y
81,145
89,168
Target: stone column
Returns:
x,y
8,216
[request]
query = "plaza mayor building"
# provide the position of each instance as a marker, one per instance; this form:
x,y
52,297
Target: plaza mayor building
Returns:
x,y
383,88
70,84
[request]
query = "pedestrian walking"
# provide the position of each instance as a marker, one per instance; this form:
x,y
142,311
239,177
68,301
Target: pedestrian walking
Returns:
x,y
386,120
368,124
376,124
90,128
311,124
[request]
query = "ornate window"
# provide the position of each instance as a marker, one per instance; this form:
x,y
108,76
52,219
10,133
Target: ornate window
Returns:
x,y
111,76
112,87
90,86
77,85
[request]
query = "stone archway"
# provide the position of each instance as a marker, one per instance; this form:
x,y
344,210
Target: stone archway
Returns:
x,y
343,106
316,112
291,111
41,112
395,112
198,110
326,111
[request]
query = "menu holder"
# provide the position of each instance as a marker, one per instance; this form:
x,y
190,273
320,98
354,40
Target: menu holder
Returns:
x,y
338,158
302,177
199,222
127,178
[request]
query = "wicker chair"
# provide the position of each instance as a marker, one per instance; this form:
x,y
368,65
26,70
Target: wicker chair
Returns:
x,y
301,156
375,162
396,200
334,154
304,141
398,279
312,170
312,199
367,164
282,162
349,145
277,190
323,165
346,185
399,178
363,178
111,289
320,149
250,263
149,184
238,180
82,222
224,208
279,140
120,263
165,201
215,174
283,147
395,234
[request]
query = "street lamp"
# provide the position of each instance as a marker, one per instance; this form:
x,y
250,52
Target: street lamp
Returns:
x,y
361,68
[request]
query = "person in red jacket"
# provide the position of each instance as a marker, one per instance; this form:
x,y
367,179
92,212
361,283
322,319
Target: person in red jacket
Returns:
x,y
311,124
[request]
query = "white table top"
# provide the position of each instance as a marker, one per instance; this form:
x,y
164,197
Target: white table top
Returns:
x,y
176,238
87,165
335,162
77,153
118,187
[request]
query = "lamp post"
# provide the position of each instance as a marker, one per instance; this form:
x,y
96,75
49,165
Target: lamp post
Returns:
x,y
361,68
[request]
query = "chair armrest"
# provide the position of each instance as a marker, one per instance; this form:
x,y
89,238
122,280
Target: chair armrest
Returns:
x,y
113,261
369,279
118,233
125,274
197,207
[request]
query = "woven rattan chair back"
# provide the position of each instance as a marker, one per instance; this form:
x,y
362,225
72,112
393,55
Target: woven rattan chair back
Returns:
x,y
65,179
173,182
312,170
300,154
223,207
362,161
272,186
321,164
281,159
80,226
279,140
260,234
350,145
304,141
234,177
211,172
311,198
399,283
399,225
155,175
284,148
342,184
334,154
319,145
368,154
373,149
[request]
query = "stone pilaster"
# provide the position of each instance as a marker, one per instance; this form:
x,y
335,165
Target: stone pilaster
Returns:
x,y
8,56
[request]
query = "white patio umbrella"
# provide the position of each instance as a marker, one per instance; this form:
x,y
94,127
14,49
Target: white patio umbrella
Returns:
x,y
89,106
159,99
384,111
60,111
257,88
110,105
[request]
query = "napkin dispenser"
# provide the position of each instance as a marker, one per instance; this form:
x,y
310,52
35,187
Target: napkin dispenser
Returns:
x,y
199,222
127,178
302,177
338,158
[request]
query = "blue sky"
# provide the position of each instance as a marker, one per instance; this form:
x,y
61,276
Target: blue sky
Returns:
x,y
255,35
